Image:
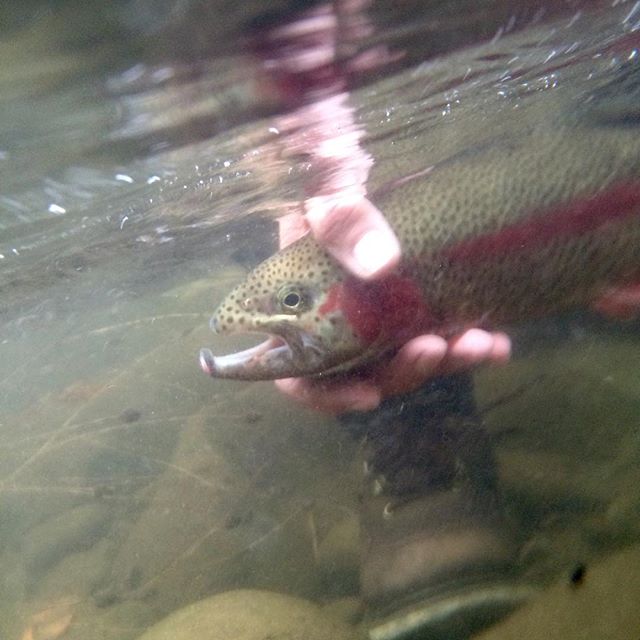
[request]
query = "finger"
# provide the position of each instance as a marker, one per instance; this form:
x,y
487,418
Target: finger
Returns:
x,y
357,234
291,227
418,360
331,398
501,351
469,349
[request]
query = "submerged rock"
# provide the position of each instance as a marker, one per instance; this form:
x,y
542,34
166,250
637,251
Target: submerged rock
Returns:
x,y
72,531
602,603
247,614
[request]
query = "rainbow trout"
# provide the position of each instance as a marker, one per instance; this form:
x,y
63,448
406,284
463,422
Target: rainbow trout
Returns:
x,y
519,227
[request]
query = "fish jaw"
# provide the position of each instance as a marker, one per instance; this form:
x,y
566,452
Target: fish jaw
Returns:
x,y
289,350
296,344
271,359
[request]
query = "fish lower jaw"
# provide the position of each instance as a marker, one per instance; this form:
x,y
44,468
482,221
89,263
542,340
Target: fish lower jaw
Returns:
x,y
248,364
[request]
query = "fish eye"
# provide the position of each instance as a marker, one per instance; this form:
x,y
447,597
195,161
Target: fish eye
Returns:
x,y
292,299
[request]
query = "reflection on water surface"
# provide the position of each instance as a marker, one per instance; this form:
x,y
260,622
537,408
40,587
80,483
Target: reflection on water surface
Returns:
x,y
138,185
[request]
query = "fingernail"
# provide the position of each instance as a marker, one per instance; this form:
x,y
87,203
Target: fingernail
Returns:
x,y
374,251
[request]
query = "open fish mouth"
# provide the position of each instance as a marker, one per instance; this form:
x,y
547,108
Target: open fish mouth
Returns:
x,y
276,357
245,364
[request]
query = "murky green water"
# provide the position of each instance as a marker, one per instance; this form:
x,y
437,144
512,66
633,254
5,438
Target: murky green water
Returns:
x,y
137,187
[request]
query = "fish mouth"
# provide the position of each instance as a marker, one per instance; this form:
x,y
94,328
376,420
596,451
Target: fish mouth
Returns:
x,y
234,364
276,357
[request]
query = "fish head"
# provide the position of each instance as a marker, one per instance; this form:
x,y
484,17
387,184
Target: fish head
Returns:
x,y
297,298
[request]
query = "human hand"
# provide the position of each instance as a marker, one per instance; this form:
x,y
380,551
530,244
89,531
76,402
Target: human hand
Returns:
x,y
418,360
356,233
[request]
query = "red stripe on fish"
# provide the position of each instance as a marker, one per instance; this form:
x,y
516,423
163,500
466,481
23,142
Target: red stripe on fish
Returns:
x,y
621,303
573,218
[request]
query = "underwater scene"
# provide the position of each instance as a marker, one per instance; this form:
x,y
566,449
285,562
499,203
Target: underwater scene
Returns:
x,y
421,219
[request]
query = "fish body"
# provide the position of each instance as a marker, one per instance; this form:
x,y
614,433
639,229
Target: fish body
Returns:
x,y
522,226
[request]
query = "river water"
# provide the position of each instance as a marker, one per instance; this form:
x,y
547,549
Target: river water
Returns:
x,y
146,152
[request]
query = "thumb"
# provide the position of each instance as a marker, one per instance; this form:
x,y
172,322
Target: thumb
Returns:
x,y
356,233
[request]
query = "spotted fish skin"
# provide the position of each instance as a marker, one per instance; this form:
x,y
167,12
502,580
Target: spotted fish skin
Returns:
x,y
539,222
